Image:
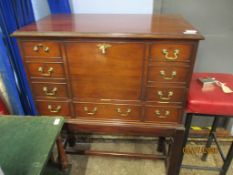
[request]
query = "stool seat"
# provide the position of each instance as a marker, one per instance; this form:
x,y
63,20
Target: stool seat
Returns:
x,y
215,101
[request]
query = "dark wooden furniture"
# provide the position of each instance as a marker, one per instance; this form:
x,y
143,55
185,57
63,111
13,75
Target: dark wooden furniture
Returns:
x,y
26,144
114,74
213,103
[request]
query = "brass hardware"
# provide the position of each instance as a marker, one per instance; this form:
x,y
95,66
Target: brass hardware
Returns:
x,y
107,100
50,70
175,53
169,95
123,114
158,114
37,47
52,93
90,113
163,74
103,47
56,110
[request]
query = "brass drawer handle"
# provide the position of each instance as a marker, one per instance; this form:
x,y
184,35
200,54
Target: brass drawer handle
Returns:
x,y
103,47
50,70
158,114
56,110
163,74
175,53
37,47
123,114
161,96
51,93
88,112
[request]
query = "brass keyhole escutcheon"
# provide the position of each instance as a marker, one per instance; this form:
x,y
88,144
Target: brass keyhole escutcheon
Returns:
x,y
103,47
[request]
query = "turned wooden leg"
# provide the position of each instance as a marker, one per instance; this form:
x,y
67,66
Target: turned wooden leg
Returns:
x,y
173,163
61,154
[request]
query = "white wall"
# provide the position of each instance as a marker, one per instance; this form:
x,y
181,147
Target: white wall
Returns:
x,y
40,8
112,6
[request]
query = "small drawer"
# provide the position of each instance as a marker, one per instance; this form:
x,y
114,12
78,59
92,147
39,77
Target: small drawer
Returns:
x,y
162,114
169,74
166,94
46,49
49,90
108,111
45,70
53,108
171,52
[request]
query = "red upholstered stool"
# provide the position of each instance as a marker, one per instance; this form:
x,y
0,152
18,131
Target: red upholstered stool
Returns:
x,y
213,103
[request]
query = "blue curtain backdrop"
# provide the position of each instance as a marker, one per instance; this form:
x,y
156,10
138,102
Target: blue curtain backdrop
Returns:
x,y
59,6
13,15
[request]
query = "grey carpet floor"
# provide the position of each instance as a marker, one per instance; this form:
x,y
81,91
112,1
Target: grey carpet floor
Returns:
x,y
95,165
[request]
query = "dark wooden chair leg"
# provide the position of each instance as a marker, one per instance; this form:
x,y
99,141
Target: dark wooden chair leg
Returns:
x,y
161,144
227,161
173,167
210,137
63,161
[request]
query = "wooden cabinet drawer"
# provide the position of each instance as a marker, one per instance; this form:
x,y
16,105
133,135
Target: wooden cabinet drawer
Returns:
x,y
165,94
108,111
53,108
45,70
169,74
47,49
166,114
171,52
49,90
111,73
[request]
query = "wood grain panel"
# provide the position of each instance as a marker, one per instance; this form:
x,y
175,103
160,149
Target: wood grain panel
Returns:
x,y
168,72
108,111
58,108
117,74
42,49
163,114
57,70
184,52
166,94
49,90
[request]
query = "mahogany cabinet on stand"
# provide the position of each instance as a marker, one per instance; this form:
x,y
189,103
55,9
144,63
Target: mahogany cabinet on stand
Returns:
x,y
113,74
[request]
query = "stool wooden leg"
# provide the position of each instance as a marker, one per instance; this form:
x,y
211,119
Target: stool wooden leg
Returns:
x,y
227,161
210,137
173,167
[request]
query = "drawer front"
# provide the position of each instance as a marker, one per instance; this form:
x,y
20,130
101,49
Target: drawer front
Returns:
x,y
165,94
163,114
49,90
108,111
171,52
168,74
45,70
111,73
47,49
53,108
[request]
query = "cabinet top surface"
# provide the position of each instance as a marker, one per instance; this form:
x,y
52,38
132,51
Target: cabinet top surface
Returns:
x,y
110,26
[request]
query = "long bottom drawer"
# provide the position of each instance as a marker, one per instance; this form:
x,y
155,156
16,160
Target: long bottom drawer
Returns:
x,y
108,111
